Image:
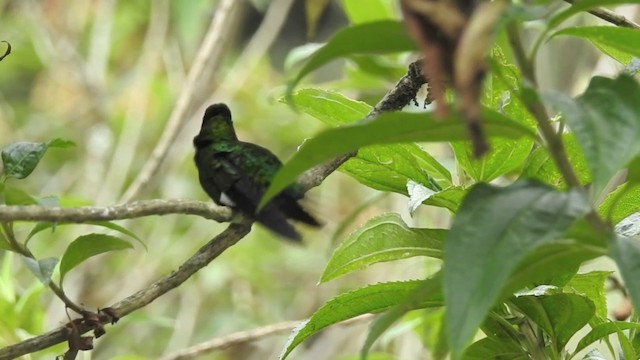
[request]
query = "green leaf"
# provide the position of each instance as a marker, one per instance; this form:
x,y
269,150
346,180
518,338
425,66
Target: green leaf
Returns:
x,y
606,123
41,226
395,127
620,38
42,269
61,143
591,285
382,167
380,37
505,155
430,288
390,167
370,299
362,11
492,348
87,246
449,198
626,253
314,10
494,230
540,165
582,6
550,261
559,315
383,238
330,107
627,348
620,203
20,159
603,330
15,196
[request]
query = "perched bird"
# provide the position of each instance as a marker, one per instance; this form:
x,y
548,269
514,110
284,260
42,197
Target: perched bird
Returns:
x,y
236,174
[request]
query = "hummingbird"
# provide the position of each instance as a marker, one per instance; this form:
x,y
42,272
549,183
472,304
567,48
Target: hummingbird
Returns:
x,y
237,174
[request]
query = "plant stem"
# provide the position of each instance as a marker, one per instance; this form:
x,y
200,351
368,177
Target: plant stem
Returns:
x,y
537,109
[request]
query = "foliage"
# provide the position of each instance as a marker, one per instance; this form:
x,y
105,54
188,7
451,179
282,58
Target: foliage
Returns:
x,y
504,280
502,268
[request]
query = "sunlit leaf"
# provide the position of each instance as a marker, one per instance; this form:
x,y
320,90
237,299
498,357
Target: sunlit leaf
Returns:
x,y
370,299
388,128
383,238
620,38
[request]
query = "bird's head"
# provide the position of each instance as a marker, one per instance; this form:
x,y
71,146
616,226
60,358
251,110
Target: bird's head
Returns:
x,y
216,126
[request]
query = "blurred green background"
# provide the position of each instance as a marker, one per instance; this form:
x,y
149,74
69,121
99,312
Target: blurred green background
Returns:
x,y
106,74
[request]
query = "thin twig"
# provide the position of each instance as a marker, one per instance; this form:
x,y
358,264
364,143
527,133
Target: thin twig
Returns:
x,y
402,93
132,210
207,58
611,17
200,259
246,336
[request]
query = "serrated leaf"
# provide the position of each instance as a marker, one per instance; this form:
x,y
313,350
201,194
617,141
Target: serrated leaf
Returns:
x,y
620,203
559,315
330,107
601,331
379,37
42,269
370,299
540,165
388,128
382,167
383,238
449,198
626,253
591,285
21,158
390,167
606,123
505,155
494,230
87,246
430,287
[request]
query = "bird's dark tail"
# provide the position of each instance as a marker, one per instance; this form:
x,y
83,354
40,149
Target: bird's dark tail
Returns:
x,y
277,222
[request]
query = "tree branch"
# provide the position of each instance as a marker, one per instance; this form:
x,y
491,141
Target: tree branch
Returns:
x,y
611,17
132,210
200,259
246,336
